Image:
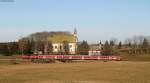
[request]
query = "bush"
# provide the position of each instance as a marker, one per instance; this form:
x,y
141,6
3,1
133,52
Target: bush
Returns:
x,y
43,60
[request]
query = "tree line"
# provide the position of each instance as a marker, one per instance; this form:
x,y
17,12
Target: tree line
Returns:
x,y
37,42
137,45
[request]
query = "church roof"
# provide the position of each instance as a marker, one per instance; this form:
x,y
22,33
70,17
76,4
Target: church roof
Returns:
x,y
95,46
61,38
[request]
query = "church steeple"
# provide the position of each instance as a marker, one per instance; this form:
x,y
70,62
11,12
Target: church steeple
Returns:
x,y
75,34
76,39
75,31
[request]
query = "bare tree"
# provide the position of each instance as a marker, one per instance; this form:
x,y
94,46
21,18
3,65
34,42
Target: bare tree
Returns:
x,y
114,40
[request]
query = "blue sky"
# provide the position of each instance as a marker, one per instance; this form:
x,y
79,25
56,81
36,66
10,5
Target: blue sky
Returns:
x,y
94,19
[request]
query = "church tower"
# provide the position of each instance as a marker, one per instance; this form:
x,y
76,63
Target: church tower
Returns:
x,y
75,34
76,39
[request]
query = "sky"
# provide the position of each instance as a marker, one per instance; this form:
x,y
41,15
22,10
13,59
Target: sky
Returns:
x,y
94,20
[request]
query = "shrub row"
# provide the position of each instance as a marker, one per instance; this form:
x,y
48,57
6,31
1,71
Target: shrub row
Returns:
x,y
43,60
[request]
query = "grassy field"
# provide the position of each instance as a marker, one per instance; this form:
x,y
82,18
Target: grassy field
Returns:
x,y
129,57
83,72
133,69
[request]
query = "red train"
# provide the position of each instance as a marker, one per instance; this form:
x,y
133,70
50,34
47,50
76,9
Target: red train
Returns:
x,y
74,57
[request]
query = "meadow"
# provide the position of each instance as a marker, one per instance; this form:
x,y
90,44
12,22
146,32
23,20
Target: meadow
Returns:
x,y
80,72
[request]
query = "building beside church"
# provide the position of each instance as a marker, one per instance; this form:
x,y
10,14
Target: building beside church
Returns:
x,y
95,49
59,41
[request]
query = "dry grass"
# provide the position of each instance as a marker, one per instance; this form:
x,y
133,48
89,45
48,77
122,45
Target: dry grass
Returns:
x,y
83,72
136,57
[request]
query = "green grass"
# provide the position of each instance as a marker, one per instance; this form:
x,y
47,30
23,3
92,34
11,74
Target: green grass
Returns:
x,y
131,57
136,58
5,62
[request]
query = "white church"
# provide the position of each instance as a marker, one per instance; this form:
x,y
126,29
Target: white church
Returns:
x,y
58,42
